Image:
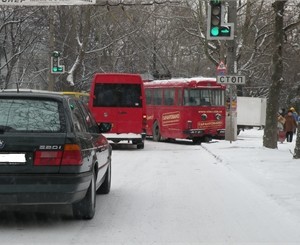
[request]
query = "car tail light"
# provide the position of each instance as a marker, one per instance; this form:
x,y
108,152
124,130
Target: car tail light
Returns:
x,y
47,158
71,155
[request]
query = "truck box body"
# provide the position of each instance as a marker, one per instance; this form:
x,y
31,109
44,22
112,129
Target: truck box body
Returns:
x,y
251,112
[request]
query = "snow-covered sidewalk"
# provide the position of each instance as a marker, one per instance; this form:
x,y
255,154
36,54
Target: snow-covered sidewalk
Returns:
x,y
273,170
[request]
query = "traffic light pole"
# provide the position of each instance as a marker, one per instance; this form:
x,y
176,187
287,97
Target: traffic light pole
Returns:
x,y
231,119
51,80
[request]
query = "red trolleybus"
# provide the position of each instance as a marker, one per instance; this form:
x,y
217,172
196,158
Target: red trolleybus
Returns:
x,y
192,108
119,99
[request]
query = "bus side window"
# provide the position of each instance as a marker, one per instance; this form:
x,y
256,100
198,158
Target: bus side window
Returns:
x,y
149,96
169,95
179,97
169,101
157,101
186,97
157,96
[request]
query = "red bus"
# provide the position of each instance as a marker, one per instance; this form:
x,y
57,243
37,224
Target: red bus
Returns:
x,y
119,99
192,108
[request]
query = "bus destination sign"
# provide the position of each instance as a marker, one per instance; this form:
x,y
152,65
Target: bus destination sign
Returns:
x,y
227,79
45,2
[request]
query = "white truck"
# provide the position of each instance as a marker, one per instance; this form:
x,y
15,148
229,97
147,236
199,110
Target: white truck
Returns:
x,y
251,112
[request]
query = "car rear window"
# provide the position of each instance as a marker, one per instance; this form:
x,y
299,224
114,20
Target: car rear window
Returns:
x,y
22,114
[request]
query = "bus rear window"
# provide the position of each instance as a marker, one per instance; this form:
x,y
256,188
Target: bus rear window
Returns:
x,y
117,95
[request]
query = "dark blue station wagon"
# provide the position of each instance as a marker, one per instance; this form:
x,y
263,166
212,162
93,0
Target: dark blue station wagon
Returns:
x,y
52,152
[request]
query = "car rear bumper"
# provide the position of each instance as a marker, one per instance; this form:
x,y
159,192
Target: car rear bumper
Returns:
x,y
43,188
126,137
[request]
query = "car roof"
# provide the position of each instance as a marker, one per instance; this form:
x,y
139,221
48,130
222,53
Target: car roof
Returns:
x,y
25,90
30,92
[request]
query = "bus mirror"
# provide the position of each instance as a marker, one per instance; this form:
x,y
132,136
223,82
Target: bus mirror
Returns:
x,y
104,127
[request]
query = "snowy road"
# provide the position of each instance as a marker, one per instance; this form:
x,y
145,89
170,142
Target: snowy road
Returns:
x,y
165,194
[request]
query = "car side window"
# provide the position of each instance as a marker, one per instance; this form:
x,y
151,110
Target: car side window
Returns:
x,y
89,119
78,118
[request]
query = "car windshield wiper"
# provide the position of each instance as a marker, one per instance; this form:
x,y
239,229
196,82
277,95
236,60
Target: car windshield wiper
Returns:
x,y
4,129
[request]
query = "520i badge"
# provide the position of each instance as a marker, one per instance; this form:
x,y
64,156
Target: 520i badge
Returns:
x,y
2,144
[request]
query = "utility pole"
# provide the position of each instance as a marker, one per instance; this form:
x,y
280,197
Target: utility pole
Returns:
x,y
221,21
231,115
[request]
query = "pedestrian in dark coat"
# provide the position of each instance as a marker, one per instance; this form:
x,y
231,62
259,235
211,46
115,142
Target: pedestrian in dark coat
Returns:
x,y
289,126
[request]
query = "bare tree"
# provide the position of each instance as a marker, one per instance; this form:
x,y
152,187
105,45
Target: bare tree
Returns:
x,y
270,133
166,37
19,31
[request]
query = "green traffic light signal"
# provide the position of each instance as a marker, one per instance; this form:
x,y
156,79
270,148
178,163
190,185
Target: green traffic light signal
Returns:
x,y
214,31
215,17
56,67
217,27
215,2
225,31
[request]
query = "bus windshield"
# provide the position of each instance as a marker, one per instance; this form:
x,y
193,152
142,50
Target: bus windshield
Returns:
x,y
202,97
117,95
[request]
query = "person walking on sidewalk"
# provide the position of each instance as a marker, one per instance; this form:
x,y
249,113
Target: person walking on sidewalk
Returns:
x,y
290,126
295,115
280,128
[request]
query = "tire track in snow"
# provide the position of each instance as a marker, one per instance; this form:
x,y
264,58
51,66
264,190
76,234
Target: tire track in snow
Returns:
x,y
213,154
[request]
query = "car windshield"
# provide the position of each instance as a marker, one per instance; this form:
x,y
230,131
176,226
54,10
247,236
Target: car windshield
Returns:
x,y
30,115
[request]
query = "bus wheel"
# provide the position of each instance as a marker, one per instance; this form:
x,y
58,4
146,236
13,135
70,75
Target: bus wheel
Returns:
x,y
155,131
171,140
140,145
197,141
207,139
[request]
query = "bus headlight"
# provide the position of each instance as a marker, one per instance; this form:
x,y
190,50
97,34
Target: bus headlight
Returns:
x,y
218,116
203,117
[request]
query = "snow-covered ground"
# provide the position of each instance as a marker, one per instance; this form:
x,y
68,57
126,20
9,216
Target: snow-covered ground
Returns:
x,y
273,170
180,193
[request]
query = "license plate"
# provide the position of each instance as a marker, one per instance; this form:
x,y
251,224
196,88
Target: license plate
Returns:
x,y
12,159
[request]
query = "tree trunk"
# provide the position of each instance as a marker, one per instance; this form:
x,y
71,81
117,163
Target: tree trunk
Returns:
x,y
270,133
297,146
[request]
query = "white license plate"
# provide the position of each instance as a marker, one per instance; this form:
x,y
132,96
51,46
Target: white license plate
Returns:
x,y
12,159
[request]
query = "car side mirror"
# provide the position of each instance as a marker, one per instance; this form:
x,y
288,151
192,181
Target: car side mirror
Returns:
x,y
104,127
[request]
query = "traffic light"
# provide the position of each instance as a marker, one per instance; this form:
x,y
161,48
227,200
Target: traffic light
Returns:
x,y
216,28
56,67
